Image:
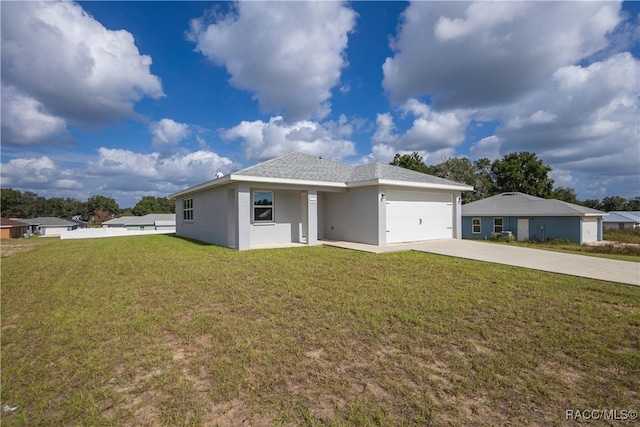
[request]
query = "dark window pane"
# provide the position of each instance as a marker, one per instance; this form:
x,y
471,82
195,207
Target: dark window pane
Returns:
x,y
263,214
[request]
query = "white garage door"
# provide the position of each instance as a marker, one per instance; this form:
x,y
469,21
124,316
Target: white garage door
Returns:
x,y
413,216
589,229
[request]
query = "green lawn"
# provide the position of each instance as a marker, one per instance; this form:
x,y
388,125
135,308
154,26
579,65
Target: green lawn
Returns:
x,y
612,250
158,330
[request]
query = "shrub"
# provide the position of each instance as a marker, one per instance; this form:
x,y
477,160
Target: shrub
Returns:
x,y
559,242
616,249
627,235
499,238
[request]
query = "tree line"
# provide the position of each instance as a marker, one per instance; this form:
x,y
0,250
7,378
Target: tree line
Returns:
x,y
97,209
522,172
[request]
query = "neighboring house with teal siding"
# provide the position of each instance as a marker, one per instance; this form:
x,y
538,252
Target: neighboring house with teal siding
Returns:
x,y
530,218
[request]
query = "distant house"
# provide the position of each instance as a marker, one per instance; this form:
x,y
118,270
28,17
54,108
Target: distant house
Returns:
x,y
530,218
143,223
299,198
618,220
12,229
50,226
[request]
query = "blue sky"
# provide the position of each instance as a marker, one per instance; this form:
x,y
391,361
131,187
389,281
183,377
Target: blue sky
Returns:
x,y
128,99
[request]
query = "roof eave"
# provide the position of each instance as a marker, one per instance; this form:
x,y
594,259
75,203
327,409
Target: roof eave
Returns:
x,y
259,179
288,181
204,186
412,184
532,215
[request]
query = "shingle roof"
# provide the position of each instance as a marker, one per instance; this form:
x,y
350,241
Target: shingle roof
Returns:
x,y
622,216
48,221
148,219
300,166
516,204
395,173
8,223
305,168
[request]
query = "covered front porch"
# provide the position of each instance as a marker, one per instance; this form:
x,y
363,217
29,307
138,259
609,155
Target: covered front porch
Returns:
x,y
268,216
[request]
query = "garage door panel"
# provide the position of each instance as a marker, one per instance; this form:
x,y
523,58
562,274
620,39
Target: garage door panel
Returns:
x,y
413,216
589,230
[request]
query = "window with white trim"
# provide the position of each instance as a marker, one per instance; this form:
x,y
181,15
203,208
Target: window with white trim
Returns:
x,y
263,206
187,209
475,225
497,225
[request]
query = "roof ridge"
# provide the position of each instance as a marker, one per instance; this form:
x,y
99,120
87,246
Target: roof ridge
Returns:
x,y
248,168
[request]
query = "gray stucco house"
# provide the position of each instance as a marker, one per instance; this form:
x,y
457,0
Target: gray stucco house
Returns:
x,y
51,226
146,222
302,198
618,220
530,218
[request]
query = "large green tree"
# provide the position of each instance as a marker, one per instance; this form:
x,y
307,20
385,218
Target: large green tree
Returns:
x,y
103,204
614,203
16,204
522,172
150,204
10,201
484,185
413,161
64,207
460,169
566,194
633,204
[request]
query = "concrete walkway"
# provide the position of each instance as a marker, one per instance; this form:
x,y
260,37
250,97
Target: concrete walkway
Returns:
x,y
537,259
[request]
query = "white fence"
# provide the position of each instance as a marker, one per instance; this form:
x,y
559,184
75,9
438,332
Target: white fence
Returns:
x,y
94,233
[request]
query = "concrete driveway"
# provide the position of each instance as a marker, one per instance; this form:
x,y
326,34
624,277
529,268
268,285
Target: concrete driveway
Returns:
x,y
554,262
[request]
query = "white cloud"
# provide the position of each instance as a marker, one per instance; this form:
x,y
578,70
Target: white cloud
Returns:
x,y
69,66
37,173
488,147
594,125
379,153
167,132
563,178
537,118
122,174
486,53
566,93
265,140
128,170
25,120
384,130
289,54
432,130
434,135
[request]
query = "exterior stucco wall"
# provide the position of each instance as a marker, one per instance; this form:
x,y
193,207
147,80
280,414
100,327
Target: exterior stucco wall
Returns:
x,y
287,225
353,215
619,225
141,227
52,230
568,228
457,215
13,232
209,217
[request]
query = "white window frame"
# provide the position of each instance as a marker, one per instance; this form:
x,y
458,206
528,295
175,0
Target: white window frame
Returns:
x,y
495,225
473,225
187,209
258,206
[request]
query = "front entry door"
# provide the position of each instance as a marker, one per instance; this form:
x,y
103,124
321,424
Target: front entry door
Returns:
x,y
523,229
